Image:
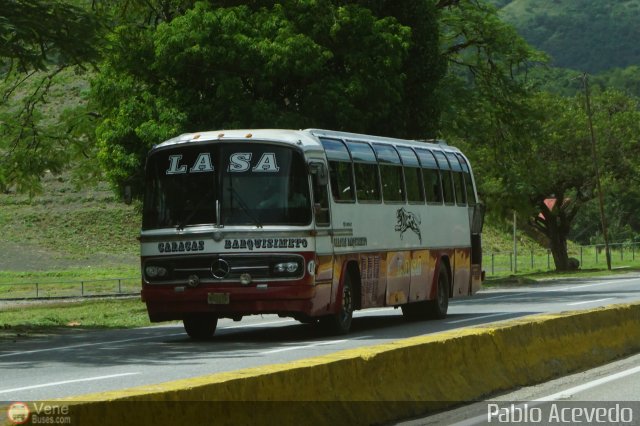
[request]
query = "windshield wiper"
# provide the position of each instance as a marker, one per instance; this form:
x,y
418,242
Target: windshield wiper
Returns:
x,y
243,205
185,221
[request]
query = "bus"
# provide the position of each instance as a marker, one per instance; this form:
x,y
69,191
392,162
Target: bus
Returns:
x,y
311,224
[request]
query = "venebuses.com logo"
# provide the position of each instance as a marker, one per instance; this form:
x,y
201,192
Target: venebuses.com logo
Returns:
x,y
18,413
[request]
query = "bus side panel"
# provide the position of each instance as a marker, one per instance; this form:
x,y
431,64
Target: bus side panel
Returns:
x,y
324,284
398,277
422,270
461,272
372,286
325,269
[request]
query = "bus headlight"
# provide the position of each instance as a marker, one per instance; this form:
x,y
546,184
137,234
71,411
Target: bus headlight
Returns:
x,y
155,271
286,267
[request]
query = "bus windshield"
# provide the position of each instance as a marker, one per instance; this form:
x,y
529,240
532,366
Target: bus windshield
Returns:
x,y
245,184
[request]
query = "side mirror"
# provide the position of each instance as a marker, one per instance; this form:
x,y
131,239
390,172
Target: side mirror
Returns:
x,y
319,173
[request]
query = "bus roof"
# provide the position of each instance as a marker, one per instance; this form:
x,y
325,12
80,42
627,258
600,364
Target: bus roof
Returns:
x,y
307,138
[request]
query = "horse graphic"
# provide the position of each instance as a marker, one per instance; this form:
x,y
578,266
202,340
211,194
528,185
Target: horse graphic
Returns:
x,y
407,220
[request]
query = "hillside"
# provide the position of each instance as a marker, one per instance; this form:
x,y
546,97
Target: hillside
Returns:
x,y
584,35
67,227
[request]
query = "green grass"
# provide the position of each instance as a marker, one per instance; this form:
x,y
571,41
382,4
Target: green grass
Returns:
x,y
69,283
71,274
500,264
43,318
539,277
68,226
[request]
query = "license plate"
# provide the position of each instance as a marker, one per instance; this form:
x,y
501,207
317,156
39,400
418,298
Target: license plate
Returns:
x,y
218,298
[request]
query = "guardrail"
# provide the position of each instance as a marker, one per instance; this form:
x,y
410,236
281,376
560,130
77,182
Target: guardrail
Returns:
x,y
75,288
494,264
540,260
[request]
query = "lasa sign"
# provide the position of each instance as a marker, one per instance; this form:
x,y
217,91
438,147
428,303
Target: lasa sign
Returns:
x,y
238,162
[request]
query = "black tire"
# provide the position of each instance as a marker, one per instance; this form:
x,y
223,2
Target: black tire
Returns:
x,y
305,319
415,311
200,327
340,323
437,308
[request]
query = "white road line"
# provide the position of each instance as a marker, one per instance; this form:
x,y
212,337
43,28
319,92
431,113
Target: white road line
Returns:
x,y
83,345
310,345
588,301
260,324
87,379
550,290
590,285
478,318
567,393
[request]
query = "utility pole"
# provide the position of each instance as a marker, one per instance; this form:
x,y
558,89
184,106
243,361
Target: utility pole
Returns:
x,y
585,81
515,245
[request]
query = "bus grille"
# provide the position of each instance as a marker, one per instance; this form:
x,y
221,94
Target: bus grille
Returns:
x,y
223,268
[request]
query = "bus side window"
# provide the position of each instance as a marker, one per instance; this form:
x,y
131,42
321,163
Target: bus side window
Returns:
x,y
390,173
367,187
466,173
433,182
413,179
366,172
458,178
459,186
471,196
412,176
392,188
448,189
340,169
341,179
320,195
432,185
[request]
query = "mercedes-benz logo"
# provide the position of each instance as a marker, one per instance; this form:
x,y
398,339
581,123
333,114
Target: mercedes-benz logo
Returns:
x,y
220,268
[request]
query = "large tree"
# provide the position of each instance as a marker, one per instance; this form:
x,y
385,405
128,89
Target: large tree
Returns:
x,y
364,66
528,147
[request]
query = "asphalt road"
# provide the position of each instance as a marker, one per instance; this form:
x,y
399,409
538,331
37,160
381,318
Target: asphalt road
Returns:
x,y
79,362
611,391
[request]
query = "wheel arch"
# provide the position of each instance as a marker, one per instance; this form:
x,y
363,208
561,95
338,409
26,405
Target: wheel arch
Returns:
x,y
351,268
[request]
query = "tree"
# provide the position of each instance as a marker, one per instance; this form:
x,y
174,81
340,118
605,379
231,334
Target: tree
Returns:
x,y
565,136
39,41
364,66
527,147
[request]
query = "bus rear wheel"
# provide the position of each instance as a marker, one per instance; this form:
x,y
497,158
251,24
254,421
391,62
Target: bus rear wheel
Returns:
x,y
340,323
200,327
437,308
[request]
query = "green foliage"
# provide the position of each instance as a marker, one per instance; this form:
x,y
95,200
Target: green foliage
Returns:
x,y
626,80
487,109
36,33
284,64
584,35
40,43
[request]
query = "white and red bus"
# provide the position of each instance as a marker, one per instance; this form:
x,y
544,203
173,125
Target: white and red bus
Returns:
x,y
311,224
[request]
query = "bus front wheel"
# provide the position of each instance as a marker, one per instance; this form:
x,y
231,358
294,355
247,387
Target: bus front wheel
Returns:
x,y
200,327
340,323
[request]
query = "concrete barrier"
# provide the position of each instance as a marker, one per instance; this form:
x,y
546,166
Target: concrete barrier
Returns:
x,y
378,384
